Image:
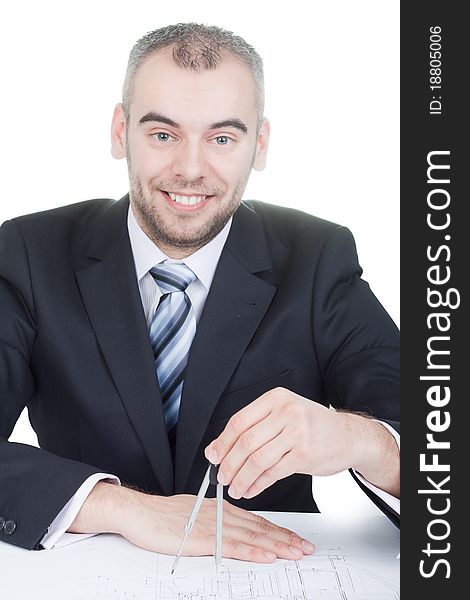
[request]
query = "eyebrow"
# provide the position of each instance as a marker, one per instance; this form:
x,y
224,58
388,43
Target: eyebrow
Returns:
x,y
234,122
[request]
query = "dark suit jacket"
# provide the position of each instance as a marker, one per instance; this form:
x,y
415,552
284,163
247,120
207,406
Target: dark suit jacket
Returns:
x,y
287,307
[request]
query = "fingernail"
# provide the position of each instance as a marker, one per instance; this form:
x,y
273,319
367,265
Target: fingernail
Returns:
x,y
270,555
212,456
295,551
221,478
308,546
233,493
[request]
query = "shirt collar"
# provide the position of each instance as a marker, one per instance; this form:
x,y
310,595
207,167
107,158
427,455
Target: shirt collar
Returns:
x,y
203,262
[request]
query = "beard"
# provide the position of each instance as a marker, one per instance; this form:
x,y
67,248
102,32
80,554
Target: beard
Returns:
x,y
185,231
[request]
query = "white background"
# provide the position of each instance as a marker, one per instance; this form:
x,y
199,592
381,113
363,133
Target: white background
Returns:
x,y
332,96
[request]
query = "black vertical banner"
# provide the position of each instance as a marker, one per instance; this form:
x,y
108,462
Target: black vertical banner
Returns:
x,y
435,265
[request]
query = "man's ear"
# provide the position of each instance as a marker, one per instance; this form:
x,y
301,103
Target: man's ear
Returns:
x,y
118,132
262,145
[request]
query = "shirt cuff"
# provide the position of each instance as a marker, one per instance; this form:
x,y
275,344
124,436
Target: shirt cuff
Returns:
x,y
391,501
57,535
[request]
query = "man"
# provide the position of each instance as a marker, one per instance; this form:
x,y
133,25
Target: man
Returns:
x,y
180,325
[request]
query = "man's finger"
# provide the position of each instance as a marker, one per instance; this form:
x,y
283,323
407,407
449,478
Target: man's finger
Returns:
x,y
258,461
266,528
283,468
250,441
238,423
250,537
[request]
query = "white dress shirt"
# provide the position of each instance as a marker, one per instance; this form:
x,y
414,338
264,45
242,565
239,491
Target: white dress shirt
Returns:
x,y
203,263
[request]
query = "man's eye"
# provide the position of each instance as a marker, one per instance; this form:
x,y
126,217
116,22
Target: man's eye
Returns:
x,y
161,136
222,140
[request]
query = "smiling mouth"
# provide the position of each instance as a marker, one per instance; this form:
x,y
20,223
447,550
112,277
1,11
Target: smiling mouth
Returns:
x,y
186,200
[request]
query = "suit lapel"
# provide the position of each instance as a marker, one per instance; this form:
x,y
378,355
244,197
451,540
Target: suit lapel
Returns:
x,y
111,296
236,304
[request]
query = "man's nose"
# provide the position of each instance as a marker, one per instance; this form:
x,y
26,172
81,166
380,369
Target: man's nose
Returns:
x,y
190,161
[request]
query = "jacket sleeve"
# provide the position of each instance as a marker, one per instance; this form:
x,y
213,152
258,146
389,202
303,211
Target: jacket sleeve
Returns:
x,y
34,484
356,340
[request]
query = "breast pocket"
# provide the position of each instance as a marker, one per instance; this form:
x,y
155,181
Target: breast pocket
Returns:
x,y
231,403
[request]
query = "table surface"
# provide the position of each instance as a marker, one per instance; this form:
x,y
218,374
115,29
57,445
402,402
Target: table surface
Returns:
x,y
353,560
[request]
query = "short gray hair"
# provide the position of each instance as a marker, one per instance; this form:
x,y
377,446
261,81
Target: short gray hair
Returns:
x,y
197,48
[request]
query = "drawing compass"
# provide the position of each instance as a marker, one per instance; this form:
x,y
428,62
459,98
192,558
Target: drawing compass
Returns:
x,y
210,478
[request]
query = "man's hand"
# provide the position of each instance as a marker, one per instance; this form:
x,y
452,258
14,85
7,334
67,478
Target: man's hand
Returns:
x,y
281,433
157,523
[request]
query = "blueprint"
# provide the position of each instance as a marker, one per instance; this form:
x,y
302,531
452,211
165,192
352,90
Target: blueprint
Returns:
x,y
356,562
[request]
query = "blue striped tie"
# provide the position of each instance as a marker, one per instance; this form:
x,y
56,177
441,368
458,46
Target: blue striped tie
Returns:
x,y
171,334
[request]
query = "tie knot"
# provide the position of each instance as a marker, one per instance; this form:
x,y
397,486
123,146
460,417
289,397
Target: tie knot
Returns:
x,y
172,277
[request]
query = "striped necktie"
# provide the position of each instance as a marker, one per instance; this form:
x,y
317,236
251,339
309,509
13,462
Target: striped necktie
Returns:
x,y
171,334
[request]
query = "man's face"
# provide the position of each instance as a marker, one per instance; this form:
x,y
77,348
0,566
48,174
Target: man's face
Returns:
x,y
190,143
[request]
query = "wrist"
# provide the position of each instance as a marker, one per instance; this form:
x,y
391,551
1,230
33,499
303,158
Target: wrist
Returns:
x,y
375,454
102,511
356,439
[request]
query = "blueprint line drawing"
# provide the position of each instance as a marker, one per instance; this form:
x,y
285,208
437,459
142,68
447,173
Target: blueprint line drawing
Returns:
x,y
325,577
352,561
329,575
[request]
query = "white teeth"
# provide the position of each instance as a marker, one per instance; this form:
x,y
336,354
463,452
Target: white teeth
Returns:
x,y
188,200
